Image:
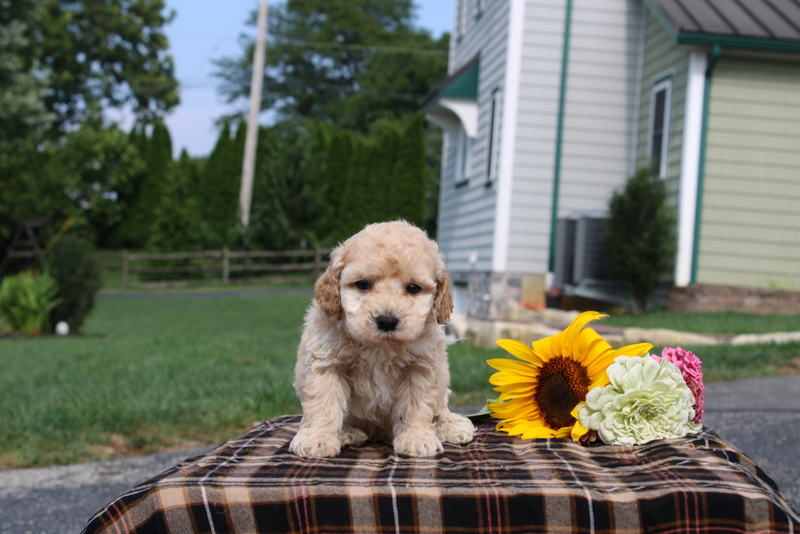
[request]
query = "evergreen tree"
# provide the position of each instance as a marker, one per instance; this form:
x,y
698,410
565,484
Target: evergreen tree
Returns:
x,y
640,236
270,228
146,189
409,179
338,167
355,210
219,188
314,195
383,195
176,222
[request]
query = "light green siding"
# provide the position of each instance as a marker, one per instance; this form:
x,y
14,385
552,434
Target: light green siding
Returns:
x,y
662,58
750,233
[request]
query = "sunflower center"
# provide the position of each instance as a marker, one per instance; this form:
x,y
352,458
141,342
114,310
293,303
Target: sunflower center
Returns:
x,y
563,383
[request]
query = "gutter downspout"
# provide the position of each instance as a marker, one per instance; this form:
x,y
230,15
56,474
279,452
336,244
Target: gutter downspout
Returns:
x,y
716,52
562,97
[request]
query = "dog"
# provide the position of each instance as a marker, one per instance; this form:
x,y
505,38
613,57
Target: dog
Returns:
x,y
372,361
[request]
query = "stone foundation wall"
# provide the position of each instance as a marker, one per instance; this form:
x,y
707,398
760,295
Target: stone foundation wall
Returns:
x,y
494,295
729,298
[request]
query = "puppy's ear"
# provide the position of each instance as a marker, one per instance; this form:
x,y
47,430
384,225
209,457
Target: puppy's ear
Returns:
x,y
443,303
326,290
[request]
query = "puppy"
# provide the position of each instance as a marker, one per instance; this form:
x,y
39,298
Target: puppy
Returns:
x,y
372,361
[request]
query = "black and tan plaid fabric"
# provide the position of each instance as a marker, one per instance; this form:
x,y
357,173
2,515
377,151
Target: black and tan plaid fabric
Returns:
x,y
496,484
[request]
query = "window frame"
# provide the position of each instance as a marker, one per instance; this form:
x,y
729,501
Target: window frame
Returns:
x,y
492,144
663,84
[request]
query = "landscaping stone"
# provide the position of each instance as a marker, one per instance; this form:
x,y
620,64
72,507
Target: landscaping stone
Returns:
x,y
775,337
667,338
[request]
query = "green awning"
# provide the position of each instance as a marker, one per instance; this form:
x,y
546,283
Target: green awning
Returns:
x,y
462,84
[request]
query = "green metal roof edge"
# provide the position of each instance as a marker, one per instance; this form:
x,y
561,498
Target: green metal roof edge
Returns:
x,y
739,42
465,86
726,41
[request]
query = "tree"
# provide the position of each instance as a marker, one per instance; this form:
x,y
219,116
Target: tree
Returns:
x,y
270,227
348,62
640,236
61,63
102,53
176,219
22,88
338,167
409,179
147,186
95,164
219,187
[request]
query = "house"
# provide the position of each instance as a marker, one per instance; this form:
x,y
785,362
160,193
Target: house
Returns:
x,y
550,106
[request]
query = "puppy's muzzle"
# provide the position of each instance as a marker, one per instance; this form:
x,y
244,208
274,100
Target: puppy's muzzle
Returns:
x,y
387,323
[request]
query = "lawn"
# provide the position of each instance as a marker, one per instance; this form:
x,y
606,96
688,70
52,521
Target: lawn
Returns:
x,y
157,373
710,323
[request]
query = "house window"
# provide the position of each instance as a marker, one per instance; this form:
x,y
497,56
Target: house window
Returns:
x,y
461,13
494,121
660,107
463,158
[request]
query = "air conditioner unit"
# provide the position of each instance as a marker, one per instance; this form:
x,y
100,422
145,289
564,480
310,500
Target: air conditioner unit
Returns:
x,y
565,252
581,257
591,263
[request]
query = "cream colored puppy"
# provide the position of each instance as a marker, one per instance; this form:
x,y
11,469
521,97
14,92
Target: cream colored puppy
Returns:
x,y
372,362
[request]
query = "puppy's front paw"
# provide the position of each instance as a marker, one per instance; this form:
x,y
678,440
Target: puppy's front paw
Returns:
x,y
352,436
417,443
454,428
309,443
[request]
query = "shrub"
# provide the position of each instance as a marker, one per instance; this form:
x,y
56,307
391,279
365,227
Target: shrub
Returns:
x,y
640,237
73,265
26,300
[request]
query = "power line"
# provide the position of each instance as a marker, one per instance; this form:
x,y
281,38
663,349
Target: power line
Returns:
x,y
368,48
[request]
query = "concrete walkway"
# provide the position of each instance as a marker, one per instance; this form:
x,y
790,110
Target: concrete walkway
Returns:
x,y
760,416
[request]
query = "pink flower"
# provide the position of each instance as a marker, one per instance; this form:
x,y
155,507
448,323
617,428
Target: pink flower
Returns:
x,y
691,369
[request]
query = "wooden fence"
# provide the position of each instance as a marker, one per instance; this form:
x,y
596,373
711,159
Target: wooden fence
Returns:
x,y
217,266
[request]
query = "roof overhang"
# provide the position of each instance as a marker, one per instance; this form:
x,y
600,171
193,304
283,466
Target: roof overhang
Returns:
x,y
693,24
738,42
454,100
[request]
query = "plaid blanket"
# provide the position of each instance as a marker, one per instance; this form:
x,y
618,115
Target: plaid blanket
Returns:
x,y
495,484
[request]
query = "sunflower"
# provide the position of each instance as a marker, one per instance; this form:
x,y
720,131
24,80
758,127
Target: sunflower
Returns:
x,y
539,393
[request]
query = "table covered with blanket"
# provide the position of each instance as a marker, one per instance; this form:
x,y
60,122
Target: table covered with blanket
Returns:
x,y
497,484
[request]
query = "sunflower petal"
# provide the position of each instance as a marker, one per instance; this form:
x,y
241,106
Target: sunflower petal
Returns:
x,y
639,349
515,393
514,366
578,431
539,432
573,330
520,350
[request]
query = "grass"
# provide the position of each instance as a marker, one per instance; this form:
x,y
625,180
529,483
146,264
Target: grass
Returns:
x,y
152,374
710,322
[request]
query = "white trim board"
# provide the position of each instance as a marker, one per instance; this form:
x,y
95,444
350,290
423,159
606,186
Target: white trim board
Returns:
x,y
505,178
690,165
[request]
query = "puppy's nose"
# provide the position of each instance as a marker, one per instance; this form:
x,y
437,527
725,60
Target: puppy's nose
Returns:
x,y
387,323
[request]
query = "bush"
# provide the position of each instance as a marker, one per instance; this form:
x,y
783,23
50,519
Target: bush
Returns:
x,y
26,300
73,265
640,237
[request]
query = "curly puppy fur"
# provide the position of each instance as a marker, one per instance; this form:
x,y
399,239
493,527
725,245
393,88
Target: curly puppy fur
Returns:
x,y
372,361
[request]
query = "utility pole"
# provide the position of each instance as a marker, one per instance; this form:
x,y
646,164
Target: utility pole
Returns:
x,y
251,141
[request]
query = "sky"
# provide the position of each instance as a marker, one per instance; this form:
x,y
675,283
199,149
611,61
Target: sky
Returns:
x,y
204,30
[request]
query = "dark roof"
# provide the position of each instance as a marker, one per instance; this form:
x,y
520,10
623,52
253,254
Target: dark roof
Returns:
x,y
760,24
463,83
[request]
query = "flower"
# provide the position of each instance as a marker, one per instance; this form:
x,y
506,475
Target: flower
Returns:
x,y
646,400
539,393
691,369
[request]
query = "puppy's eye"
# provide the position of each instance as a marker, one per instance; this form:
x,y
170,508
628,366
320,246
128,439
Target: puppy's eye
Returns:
x,y
413,289
363,285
